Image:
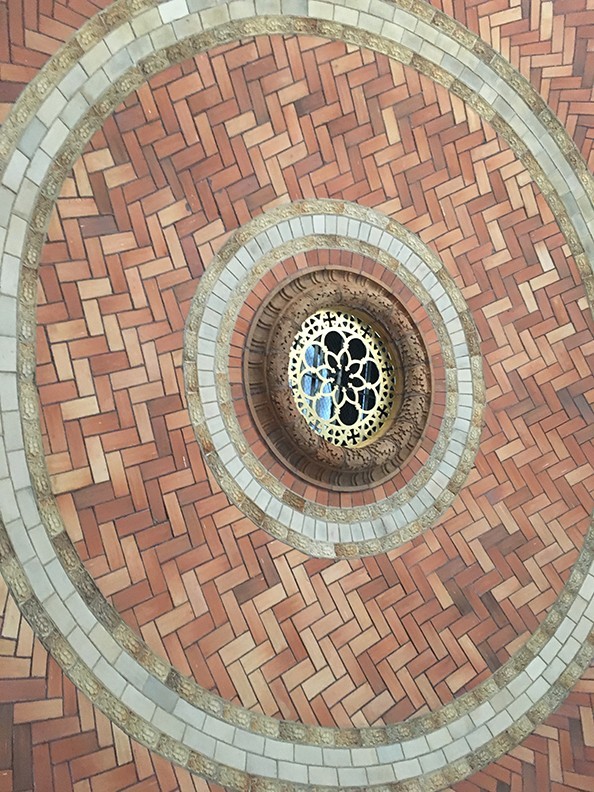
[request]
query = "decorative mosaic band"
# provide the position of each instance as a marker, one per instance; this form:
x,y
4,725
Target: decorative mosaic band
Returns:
x,y
279,307
52,121
246,257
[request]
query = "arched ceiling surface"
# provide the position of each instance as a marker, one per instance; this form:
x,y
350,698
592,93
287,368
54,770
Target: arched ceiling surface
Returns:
x,y
200,150
129,238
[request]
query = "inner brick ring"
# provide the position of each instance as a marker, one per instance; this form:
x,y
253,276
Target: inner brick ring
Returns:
x,y
30,565
266,360
265,495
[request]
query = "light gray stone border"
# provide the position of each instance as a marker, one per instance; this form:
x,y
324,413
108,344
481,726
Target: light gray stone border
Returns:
x,y
232,275
40,140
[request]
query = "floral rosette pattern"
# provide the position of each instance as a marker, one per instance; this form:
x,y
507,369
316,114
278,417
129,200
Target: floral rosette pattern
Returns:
x,y
341,375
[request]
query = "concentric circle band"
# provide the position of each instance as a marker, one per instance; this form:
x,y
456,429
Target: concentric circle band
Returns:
x,y
268,407
318,530
138,691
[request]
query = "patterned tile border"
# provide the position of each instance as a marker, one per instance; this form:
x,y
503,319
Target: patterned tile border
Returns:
x,y
376,476
246,257
45,133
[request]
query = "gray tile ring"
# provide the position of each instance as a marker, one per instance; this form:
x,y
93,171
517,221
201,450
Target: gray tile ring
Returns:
x,y
137,690
233,273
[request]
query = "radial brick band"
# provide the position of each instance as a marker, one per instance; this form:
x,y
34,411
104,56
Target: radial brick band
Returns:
x,y
235,271
274,428
135,688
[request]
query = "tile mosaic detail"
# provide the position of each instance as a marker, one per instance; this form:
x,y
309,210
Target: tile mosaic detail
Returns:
x,y
563,643
386,523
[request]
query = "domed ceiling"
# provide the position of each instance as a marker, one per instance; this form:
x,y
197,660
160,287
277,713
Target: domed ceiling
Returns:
x,y
296,354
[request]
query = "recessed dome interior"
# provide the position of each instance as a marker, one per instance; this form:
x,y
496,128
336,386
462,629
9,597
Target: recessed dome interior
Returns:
x,y
296,396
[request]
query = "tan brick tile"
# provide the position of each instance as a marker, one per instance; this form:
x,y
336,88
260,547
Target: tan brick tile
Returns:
x,y
386,175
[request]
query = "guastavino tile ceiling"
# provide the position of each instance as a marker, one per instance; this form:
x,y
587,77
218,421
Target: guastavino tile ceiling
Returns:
x,y
296,395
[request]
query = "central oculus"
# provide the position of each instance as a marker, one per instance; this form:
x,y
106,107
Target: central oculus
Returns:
x,y
342,377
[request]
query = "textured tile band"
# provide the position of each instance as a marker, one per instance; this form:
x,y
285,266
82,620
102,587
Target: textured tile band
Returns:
x,y
247,256
45,133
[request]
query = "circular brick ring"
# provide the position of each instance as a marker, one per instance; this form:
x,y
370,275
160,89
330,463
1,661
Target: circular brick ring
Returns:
x,y
43,136
249,254
268,414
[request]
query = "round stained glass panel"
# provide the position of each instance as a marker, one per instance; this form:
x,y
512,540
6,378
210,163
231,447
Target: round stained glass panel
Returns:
x,y
341,374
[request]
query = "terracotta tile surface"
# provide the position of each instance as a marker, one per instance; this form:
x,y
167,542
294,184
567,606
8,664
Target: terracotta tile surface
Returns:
x,y
381,638
30,32
52,738
183,163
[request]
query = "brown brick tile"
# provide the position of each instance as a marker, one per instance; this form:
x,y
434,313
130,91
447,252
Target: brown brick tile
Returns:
x,y
456,187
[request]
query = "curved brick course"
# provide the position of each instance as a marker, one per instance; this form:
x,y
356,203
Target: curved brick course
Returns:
x,y
335,531
128,684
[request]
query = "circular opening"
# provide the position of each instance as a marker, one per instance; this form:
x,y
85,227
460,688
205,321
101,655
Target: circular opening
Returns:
x,y
342,377
337,376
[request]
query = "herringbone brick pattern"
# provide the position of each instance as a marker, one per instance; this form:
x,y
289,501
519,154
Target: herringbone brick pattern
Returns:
x,y
199,151
29,33
558,756
552,44
52,738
